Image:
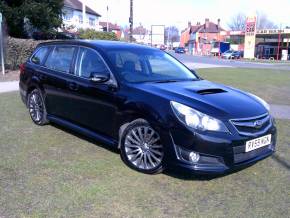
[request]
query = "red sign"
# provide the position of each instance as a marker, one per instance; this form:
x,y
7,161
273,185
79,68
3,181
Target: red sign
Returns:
x,y
251,26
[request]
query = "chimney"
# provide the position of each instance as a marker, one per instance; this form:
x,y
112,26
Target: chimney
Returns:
x,y
189,24
219,23
206,23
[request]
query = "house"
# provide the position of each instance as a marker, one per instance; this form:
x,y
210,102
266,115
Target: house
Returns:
x,y
112,28
73,16
200,37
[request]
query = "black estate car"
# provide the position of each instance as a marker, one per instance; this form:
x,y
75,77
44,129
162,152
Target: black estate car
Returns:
x,y
143,101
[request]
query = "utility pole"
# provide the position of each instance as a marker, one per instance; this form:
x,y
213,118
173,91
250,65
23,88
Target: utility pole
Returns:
x,y
131,21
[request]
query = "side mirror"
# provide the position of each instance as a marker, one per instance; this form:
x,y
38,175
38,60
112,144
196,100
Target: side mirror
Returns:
x,y
100,77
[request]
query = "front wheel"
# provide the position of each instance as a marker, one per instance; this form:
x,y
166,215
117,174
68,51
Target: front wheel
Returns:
x,y
141,148
36,107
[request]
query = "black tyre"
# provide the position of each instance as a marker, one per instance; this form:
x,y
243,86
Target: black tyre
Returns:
x,y
141,148
36,107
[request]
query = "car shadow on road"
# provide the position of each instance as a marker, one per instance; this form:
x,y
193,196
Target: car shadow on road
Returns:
x,y
281,161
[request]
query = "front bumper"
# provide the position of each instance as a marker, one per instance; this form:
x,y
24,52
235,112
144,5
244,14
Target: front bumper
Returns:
x,y
219,153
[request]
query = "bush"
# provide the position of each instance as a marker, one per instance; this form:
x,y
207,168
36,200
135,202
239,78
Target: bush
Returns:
x,y
92,34
18,51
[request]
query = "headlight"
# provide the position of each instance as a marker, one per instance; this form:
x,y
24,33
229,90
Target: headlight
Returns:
x,y
262,101
197,120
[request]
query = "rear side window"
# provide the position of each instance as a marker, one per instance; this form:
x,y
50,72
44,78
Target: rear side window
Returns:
x,y
39,56
60,58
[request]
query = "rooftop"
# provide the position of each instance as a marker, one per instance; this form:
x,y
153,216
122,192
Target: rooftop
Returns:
x,y
77,5
111,26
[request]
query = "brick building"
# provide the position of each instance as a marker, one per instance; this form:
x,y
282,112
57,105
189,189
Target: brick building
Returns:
x,y
112,28
199,38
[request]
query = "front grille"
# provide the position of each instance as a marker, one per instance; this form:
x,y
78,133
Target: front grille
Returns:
x,y
240,155
252,126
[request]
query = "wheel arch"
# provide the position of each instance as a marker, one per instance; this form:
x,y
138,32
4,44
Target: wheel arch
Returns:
x,y
34,84
127,117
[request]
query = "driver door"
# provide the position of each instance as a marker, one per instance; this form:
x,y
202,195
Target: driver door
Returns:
x,y
93,104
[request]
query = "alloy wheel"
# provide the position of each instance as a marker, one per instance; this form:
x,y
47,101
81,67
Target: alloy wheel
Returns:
x,y
36,108
143,148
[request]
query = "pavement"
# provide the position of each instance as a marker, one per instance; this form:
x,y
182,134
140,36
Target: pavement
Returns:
x,y
9,86
195,62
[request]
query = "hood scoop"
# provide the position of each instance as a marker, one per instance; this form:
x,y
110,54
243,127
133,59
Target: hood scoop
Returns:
x,y
210,91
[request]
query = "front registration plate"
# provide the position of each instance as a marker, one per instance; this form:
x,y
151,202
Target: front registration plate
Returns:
x,y
258,143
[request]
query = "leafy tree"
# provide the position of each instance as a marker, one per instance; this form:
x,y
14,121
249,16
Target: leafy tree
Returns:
x,y
44,15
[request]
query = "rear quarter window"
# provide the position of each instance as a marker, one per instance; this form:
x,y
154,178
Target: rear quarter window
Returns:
x,y
39,55
60,58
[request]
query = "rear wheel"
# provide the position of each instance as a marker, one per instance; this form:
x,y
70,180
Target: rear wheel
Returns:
x,y
141,148
36,107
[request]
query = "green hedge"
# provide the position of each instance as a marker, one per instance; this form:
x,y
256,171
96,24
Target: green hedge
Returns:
x,y
17,51
92,34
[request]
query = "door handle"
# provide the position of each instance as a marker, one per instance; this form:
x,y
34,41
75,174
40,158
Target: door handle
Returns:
x,y
73,86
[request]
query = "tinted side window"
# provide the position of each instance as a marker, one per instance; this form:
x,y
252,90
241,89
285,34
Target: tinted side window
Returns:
x,y
60,58
39,56
89,62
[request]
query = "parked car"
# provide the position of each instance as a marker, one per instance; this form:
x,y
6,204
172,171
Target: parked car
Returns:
x,y
163,47
146,103
180,50
230,54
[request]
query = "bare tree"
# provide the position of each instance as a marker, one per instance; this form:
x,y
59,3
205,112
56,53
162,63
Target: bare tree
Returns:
x,y
238,22
171,34
263,22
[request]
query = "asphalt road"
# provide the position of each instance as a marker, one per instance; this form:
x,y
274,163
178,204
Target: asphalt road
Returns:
x,y
213,62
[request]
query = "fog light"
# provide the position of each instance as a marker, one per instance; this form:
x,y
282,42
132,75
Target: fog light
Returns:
x,y
193,157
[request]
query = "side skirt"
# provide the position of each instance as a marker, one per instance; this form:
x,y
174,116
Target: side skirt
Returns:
x,y
86,132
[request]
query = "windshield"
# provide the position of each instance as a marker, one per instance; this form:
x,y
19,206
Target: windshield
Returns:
x,y
146,65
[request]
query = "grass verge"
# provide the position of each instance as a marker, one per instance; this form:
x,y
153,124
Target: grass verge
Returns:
x,y
271,85
49,172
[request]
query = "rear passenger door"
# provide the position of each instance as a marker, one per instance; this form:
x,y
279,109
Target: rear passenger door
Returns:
x,y
58,69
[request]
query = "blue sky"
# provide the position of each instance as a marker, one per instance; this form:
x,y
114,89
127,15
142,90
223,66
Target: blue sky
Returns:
x,y
179,12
